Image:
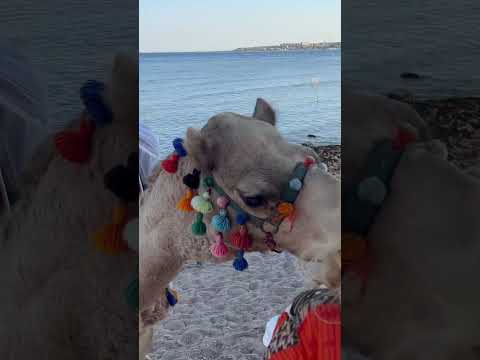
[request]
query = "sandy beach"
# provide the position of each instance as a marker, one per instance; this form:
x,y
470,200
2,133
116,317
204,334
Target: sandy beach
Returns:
x,y
222,313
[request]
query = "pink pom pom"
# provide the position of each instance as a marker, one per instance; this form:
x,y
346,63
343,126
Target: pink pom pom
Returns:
x,y
219,249
222,202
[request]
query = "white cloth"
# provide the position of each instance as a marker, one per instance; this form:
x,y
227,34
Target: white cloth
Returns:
x,y
270,327
22,116
22,90
148,153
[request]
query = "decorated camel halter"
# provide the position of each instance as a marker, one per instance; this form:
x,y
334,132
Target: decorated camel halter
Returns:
x,y
201,203
121,235
364,200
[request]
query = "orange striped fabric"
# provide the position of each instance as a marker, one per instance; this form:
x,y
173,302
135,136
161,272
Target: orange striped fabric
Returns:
x,y
319,335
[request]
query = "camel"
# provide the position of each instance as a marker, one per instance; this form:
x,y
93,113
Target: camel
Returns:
x,y
251,162
63,298
419,302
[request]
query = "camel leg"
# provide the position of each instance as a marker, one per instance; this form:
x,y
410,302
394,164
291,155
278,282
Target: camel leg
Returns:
x,y
159,265
145,341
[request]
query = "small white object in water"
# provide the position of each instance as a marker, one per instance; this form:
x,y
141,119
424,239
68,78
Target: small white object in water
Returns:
x,y
315,82
315,85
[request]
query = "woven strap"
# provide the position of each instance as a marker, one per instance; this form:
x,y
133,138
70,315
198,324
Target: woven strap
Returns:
x,y
288,195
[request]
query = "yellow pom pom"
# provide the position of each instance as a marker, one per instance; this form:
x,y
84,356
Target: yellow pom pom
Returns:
x,y
185,202
109,238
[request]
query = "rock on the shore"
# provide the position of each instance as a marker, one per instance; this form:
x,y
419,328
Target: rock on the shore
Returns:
x,y
456,122
331,155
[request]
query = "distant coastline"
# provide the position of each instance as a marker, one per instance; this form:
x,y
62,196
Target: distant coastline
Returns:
x,y
292,47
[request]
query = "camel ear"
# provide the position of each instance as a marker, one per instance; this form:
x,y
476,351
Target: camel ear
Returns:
x,y
264,112
124,89
200,150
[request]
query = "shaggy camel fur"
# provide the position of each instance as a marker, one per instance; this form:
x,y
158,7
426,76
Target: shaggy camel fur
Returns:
x,y
247,157
63,299
421,292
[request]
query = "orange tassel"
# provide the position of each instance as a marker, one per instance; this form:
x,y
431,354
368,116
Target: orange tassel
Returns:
x,y
285,209
109,238
75,145
184,203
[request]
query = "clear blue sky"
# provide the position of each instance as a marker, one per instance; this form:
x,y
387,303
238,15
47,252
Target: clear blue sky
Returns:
x,y
210,25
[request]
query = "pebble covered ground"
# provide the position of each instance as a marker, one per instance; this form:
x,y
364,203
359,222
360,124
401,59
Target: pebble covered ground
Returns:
x,y
455,121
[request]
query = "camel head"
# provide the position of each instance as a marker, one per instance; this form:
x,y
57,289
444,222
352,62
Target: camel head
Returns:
x,y
252,163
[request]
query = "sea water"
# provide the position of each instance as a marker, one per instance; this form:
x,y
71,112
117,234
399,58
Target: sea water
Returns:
x,y
181,90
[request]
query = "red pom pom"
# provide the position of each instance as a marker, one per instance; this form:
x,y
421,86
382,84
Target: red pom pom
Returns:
x,y
74,145
170,165
241,238
309,161
403,137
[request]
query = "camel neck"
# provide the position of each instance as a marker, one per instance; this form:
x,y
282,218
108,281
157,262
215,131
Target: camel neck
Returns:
x,y
165,190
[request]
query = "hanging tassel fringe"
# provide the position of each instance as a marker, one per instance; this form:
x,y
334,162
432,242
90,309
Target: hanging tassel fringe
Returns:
x,y
75,145
109,239
202,203
198,227
241,238
185,202
172,296
131,294
170,165
219,249
91,94
240,263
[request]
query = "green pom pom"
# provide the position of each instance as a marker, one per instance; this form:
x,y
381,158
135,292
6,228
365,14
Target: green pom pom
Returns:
x,y
131,293
202,205
208,181
372,190
198,227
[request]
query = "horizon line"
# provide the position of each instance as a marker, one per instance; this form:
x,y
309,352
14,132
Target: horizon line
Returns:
x,y
230,50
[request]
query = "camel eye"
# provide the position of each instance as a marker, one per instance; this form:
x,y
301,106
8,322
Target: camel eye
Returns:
x,y
253,201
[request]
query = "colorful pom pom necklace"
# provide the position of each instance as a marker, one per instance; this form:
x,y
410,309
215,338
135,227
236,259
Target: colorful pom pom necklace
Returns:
x,y
362,203
121,235
201,203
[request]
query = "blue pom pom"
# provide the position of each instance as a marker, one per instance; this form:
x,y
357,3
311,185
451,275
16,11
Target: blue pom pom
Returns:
x,y
178,146
172,300
240,263
241,218
372,190
295,184
221,222
91,94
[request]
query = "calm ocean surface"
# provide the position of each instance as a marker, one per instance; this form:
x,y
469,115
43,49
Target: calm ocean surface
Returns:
x,y
178,90
438,39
